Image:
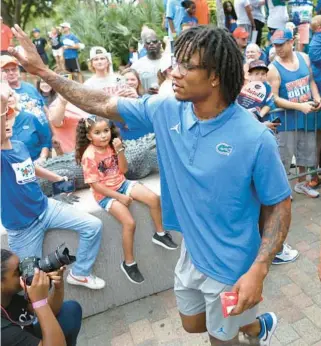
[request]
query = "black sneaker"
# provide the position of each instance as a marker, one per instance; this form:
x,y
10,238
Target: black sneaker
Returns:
x,y
132,272
165,241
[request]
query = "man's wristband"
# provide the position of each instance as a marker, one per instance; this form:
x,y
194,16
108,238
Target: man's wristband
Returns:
x,y
120,150
40,303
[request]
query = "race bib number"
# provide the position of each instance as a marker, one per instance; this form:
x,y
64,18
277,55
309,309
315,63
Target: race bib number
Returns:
x,y
25,172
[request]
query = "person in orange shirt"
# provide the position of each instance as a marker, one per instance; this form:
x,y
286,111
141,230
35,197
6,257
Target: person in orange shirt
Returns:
x,y
6,38
202,12
64,118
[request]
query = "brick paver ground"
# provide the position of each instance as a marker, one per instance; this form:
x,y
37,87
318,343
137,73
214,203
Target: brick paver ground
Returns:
x,y
293,291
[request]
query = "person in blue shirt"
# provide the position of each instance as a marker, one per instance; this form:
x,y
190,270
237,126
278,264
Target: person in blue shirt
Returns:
x,y
230,16
71,45
29,98
28,129
202,135
165,21
315,50
189,18
26,213
174,13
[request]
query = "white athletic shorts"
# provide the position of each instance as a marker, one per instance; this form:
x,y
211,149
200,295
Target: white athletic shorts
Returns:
x,y
58,52
196,293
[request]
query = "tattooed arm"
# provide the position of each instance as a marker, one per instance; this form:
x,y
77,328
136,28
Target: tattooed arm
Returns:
x,y
91,101
274,224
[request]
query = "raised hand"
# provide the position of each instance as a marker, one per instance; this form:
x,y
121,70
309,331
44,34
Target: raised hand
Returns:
x,y
117,144
5,91
30,59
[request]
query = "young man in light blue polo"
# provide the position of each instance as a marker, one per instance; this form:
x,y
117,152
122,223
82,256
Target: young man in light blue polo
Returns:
x,y
218,168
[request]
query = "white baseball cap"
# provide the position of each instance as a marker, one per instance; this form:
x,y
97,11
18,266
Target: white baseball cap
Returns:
x,y
65,25
95,51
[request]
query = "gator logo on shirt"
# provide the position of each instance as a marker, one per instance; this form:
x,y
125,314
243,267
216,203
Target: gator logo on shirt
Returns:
x,y
25,172
224,149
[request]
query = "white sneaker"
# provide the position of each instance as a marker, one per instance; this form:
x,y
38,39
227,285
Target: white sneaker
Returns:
x,y
306,189
287,255
91,281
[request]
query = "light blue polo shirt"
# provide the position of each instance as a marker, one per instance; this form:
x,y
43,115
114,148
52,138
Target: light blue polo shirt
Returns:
x,y
215,175
176,12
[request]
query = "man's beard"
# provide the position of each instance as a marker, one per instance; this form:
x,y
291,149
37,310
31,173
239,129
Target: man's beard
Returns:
x,y
153,54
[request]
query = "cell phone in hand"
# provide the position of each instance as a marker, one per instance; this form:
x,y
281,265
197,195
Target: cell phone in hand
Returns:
x,y
63,187
315,104
276,120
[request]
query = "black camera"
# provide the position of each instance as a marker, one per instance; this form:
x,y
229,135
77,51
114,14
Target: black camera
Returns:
x,y
50,263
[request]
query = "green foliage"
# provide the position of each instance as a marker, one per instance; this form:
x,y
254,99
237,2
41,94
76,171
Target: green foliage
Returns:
x,y
115,27
21,11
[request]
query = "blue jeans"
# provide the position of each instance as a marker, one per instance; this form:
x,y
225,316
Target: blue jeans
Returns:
x,y
28,241
69,318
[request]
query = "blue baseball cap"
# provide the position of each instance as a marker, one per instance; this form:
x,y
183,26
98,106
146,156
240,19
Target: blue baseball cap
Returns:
x,y
280,36
35,30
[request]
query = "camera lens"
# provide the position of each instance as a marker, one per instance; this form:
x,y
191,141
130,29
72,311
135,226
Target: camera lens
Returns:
x,y
56,259
50,263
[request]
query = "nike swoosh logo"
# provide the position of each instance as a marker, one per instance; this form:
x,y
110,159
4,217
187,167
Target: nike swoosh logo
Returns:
x,y
85,281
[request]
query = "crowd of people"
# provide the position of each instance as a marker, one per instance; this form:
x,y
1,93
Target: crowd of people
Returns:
x,y
266,104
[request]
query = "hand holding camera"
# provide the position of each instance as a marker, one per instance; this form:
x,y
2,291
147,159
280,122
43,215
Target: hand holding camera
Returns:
x,y
39,288
57,278
51,263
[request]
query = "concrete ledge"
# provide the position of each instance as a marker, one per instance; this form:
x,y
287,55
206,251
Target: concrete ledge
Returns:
x,y
156,264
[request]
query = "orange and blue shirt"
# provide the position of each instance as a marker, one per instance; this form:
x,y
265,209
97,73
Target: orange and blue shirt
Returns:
x,y
102,167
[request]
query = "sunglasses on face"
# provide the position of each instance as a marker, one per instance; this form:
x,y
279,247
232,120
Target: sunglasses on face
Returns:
x,y
151,41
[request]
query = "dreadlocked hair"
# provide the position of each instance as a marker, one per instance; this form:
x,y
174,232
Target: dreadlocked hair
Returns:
x,y
218,52
83,128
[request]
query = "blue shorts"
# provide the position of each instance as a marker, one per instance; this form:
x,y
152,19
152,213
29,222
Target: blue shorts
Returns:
x,y
125,189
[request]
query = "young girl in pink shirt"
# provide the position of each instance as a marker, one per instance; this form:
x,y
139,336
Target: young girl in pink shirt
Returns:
x,y
102,155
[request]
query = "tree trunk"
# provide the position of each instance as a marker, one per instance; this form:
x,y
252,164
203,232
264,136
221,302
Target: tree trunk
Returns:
x,y
5,13
25,14
17,12
220,14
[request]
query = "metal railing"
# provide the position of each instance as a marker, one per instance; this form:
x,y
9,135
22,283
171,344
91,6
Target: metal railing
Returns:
x,y
299,136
